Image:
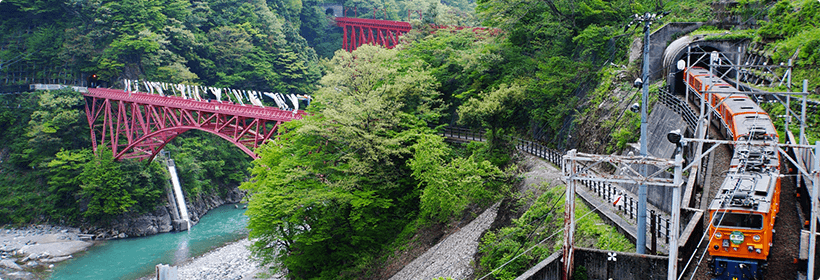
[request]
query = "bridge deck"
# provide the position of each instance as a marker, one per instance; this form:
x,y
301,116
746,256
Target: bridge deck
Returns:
x,y
251,111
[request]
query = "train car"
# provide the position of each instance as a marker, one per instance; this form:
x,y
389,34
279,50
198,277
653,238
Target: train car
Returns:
x,y
746,206
742,218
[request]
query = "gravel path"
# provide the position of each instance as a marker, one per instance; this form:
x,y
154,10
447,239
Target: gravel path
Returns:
x,y
452,256
232,261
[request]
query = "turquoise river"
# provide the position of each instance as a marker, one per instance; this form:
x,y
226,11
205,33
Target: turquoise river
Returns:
x,y
132,258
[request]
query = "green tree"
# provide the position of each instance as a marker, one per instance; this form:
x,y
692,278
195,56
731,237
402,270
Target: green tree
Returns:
x,y
332,189
494,110
105,188
64,183
447,188
53,125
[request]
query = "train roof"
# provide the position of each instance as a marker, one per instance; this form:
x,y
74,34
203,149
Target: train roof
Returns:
x,y
721,88
758,124
746,192
753,158
697,71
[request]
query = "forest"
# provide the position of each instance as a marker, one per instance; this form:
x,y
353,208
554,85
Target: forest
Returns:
x,y
367,169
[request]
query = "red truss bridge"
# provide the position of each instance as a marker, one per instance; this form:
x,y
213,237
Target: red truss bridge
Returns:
x,y
360,31
138,125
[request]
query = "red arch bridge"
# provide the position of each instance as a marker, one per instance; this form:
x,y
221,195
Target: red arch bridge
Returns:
x,y
360,31
138,125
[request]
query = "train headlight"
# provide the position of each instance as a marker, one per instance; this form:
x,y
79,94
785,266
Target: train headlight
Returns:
x,y
751,249
758,251
718,235
756,238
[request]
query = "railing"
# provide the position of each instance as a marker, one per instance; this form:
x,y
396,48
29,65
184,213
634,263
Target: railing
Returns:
x,y
541,151
461,133
679,107
659,224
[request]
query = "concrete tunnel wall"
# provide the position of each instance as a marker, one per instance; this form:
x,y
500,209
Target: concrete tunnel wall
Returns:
x,y
336,9
679,50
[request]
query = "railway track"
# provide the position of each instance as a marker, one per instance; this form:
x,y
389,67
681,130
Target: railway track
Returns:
x,y
787,227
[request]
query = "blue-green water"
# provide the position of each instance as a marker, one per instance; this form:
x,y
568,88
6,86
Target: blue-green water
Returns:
x,y
136,257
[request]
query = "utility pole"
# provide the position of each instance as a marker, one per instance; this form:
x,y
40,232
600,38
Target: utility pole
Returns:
x,y
646,19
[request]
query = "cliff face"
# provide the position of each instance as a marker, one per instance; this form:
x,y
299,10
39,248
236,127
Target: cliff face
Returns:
x,y
160,220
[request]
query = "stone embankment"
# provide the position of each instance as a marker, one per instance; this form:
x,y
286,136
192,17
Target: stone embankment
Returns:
x,y
26,249
160,221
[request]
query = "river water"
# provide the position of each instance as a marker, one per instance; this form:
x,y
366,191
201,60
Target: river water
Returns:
x,y
132,258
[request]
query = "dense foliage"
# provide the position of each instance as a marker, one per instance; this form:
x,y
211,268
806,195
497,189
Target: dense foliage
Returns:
x,y
49,173
338,185
538,233
334,188
226,43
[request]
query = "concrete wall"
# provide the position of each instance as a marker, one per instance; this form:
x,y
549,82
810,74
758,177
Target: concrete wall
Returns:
x,y
658,41
547,269
601,264
660,122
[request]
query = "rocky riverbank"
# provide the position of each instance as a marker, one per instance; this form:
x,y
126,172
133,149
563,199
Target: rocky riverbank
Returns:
x,y
23,250
231,261
160,221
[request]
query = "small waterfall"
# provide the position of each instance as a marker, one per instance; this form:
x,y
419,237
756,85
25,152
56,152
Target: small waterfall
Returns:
x,y
183,208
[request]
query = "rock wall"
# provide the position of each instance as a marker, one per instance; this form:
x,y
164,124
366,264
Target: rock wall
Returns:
x,y
159,221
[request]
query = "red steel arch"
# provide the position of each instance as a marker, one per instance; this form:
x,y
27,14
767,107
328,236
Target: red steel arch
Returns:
x,y
139,125
360,31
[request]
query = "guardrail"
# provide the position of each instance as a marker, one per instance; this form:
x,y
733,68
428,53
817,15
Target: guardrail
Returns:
x,y
659,224
679,107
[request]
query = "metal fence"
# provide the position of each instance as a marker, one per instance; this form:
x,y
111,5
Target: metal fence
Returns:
x,y
538,150
658,224
678,106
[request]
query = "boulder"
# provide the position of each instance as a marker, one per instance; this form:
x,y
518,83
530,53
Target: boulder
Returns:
x,y
56,259
9,264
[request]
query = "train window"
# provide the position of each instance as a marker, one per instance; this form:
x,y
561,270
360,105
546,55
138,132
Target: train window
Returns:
x,y
738,220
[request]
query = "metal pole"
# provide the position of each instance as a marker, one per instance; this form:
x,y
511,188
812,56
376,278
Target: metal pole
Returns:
x,y
688,65
788,100
803,113
640,245
673,232
569,216
737,69
814,211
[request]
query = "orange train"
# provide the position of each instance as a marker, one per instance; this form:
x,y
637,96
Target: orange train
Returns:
x,y
742,215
